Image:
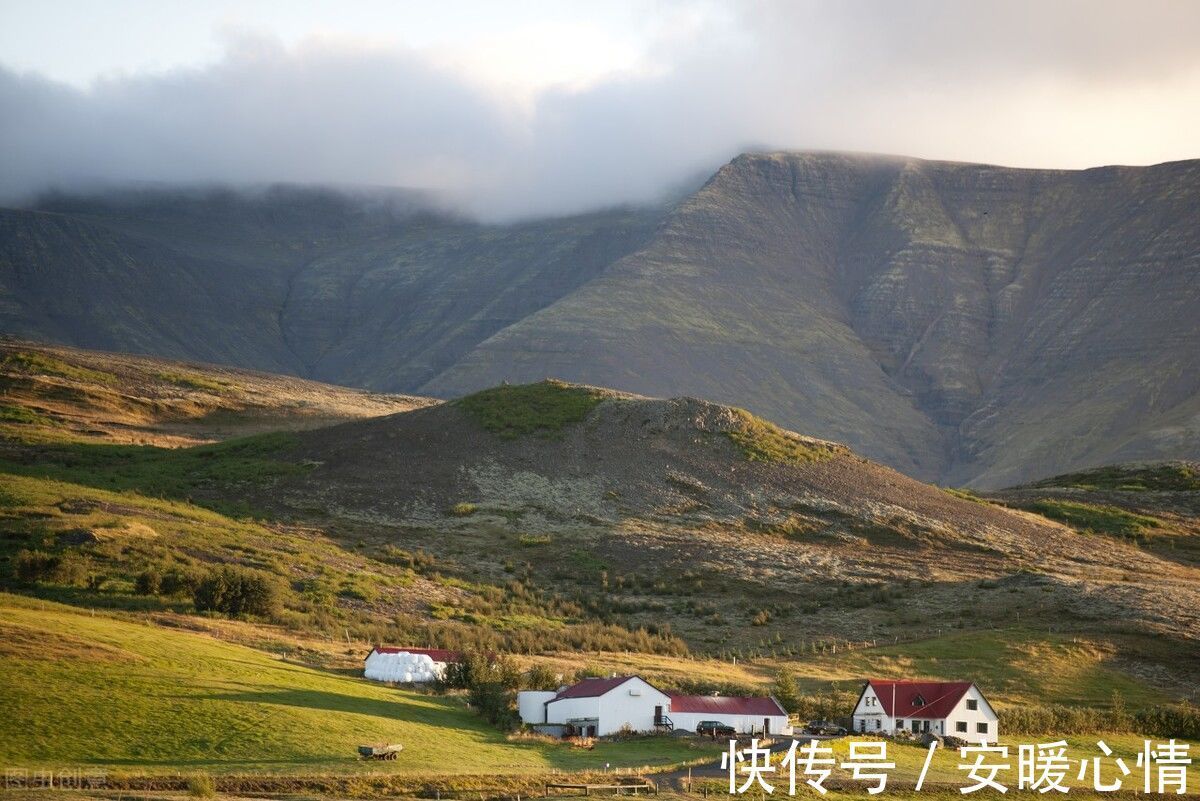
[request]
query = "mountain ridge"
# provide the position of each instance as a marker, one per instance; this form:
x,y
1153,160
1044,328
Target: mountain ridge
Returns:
x,y
964,323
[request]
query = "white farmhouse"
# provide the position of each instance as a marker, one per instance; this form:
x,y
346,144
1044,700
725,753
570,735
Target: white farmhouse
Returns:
x,y
597,707
408,665
954,708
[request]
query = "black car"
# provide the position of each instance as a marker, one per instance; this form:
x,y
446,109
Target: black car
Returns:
x,y
824,727
715,728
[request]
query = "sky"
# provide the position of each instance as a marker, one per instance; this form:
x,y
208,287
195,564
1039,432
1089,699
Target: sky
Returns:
x,y
514,109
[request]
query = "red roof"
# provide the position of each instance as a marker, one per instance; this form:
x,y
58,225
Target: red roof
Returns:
x,y
436,654
727,705
591,688
940,697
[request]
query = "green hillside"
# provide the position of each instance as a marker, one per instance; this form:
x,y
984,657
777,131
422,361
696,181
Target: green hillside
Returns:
x,y
95,690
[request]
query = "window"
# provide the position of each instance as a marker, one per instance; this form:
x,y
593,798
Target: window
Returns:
x,y
961,726
919,700
981,728
878,723
972,704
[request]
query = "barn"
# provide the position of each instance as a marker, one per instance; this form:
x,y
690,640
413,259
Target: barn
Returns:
x,y
954,708
408,665
746,714
600,706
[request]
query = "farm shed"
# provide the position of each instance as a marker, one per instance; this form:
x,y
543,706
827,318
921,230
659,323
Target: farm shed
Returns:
x,y
746,714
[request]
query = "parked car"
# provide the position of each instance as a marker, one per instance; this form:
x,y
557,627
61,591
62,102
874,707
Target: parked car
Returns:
x,y
715,728
824,727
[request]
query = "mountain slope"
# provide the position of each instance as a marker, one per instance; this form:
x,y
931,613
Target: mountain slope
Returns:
x,y
366,290
963,323
960,322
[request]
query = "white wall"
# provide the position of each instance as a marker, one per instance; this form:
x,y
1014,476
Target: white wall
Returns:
x,y
869,714
743,724
973,717
614,710
531,704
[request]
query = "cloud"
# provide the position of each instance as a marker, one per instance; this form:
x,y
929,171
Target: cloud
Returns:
x,y
1037,84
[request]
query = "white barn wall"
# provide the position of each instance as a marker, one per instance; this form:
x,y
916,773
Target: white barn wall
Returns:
x,y
742,724
615,709
531,705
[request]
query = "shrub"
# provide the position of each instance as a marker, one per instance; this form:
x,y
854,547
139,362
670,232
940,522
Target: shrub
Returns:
x,y
33,566
148,582
201,785
541,677
180,581
235,592
72,570
463,509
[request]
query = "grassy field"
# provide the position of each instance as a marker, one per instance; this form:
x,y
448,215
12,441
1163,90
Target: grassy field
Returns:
x,y
93,690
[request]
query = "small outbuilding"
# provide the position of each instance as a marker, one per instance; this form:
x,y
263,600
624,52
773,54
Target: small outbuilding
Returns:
x,y
945,708
746,714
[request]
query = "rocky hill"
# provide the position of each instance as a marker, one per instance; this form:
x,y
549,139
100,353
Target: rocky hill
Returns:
x,y
589,488
963,323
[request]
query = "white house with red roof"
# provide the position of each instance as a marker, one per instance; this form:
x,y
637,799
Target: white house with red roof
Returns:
x,y
599,706
408,665
945,708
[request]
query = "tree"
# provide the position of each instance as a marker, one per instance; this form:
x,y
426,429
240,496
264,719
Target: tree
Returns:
x,y
785,690
541,677
236,591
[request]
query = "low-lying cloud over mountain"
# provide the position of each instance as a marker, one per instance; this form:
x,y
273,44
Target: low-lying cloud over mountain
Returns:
x,y
1067,84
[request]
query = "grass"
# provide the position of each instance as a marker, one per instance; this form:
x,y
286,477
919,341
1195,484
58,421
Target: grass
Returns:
x,y
964,494
192,381
164,472
28,361
762,441
1094,518
1170,477
123,694
543,408
24,416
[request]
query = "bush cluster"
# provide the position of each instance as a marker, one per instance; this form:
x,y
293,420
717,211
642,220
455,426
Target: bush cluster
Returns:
x,y
1169,720
236,591
491,683
70,569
